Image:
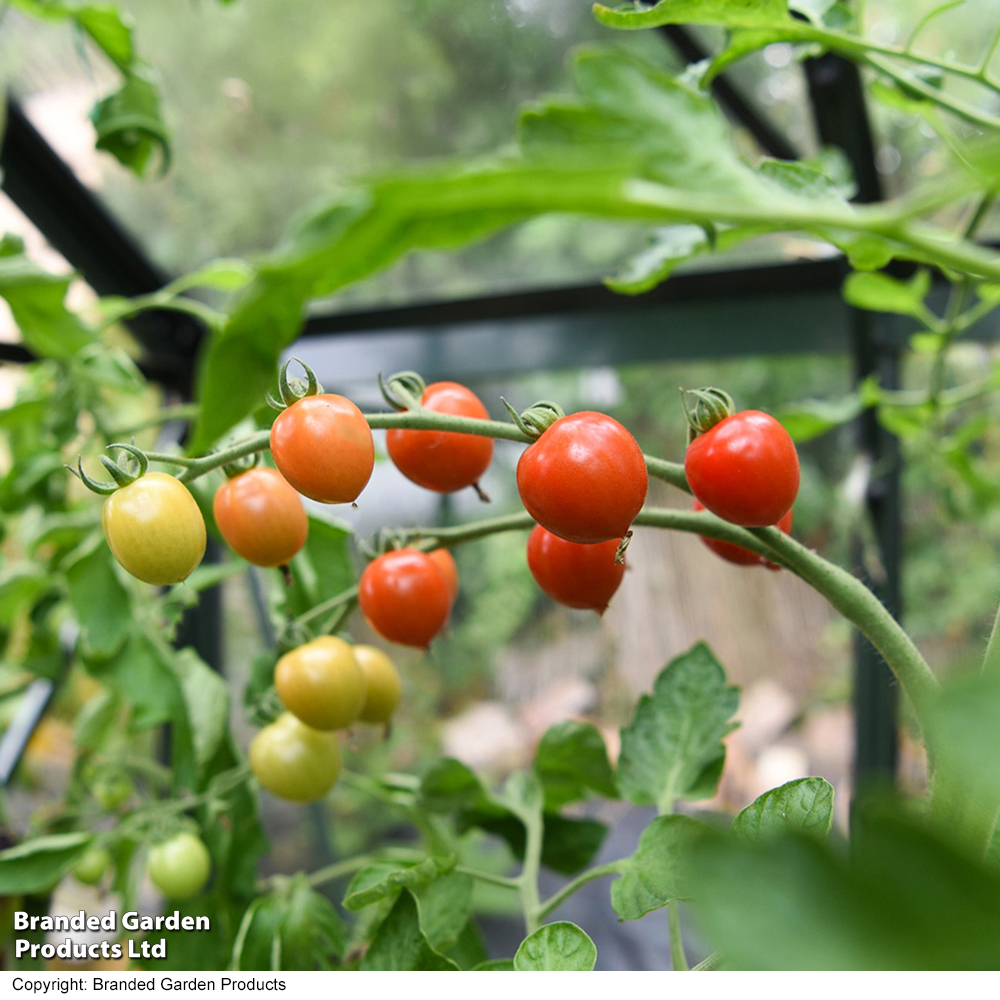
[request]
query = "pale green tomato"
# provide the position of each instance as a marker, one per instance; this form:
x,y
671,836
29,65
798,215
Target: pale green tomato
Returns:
x,y
155,529
293,761
91,867
179,867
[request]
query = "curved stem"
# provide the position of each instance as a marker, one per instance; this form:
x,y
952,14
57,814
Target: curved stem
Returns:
x,y
677,957
557,899
488,877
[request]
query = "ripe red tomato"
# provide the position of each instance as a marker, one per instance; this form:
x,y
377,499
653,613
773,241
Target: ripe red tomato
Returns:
x,y
579,576
446,563
405,597
739,555
744,470
261,517
323,446
584,479
444,461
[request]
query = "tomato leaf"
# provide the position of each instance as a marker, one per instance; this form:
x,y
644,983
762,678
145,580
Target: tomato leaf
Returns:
x,y
803,806
108,27
813,417
206,703
671,749
400,946
130,125
558,947
377,881
572,760
36,865
879,292
658,871
102,605
322,569
444,907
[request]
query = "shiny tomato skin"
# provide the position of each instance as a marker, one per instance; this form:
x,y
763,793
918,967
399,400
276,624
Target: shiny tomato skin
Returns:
x,y
405,597
323,446
293,761
154,529
446,563
261,517
584,479
736,553
383,688
321,683
179,867
745,469
575,575
443,461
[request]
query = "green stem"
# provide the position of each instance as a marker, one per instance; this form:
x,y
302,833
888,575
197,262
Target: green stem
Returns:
x,y
184,411
527,881
488,877
557,899
677,957
991,661
346,596
710,964
339,869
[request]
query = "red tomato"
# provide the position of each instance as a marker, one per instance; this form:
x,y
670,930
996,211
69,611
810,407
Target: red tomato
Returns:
x,y
739,555
261,517
584,479
579,576
405,597
444,461
744,470
323,446
446,563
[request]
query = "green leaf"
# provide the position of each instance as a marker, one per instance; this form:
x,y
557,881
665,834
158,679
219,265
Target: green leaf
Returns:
x,y
375,882
658,871
108,27
728,13
102,605
400,946
130,125
827,176
558,947
227,274
802,806
812,418
96,720
37,303
670,246
311,932
206,702
444,907
496,965
20,588
878,292
671,749
468,952
571,761
36,865
322,569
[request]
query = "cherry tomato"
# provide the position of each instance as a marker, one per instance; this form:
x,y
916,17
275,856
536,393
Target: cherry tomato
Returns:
x,y
113,790
405,597
446,563
578,576
739,555
444,461
323,446
179,867
383,688
261,517
91,867
744,470
321,683
155,529
293,761
584,479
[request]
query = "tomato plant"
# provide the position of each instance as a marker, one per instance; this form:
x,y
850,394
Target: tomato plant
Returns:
x,y
323,446
443,461
584,479
383,688
261,517
321,683
736,553
405,597
745,469
578,576
293,761
179,867
154,529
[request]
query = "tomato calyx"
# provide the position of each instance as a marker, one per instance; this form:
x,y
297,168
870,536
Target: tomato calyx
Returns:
x,y
402,391
241,465
292,390
120,472
537,418
704,408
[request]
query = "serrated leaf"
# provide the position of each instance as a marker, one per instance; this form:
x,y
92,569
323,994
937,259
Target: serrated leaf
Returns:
x,y
37,864
571,761
444,906
658,871
558,947
827,176
312,934
801,806
727,13
671,750
400,946
375,882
